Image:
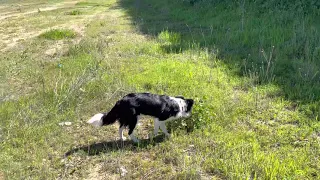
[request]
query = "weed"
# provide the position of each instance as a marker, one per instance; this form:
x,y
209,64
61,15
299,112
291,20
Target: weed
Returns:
x,y
262,72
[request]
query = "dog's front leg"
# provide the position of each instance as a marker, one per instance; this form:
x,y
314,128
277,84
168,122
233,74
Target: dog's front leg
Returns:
x,y
163,128
156,126
134,138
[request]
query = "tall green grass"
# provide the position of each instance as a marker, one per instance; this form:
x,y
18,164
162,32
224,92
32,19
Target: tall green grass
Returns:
x,y
275,42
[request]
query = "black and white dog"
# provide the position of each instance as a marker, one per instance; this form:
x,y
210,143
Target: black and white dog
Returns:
x,y
127,110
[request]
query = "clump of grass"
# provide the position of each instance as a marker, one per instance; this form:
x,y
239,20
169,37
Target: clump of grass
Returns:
x,y
57,34
74,12
169,41
262,72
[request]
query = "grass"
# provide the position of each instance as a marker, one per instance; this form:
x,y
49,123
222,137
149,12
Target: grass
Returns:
x,y
58,34
93,3
74,12
241,35
246,124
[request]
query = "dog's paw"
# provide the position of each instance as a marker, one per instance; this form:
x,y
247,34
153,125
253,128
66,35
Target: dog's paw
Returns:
x,y
152,135
133,138
123,138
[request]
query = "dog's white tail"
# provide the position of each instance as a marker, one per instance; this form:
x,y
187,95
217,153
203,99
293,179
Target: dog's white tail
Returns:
x,y
96,120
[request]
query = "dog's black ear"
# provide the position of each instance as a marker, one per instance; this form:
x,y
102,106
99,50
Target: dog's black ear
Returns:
x,y
190,103
181,97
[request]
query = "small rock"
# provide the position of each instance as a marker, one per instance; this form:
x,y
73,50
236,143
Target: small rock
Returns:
x,y
51,52
68,123
123,171
65,123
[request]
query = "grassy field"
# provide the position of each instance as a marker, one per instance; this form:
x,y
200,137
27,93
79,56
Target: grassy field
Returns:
x,y
252,68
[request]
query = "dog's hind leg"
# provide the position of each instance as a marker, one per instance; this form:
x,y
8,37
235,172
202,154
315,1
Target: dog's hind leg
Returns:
x,y
163,128
132,125
156,126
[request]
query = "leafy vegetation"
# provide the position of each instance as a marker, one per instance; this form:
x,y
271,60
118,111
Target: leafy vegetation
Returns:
x,y
251,69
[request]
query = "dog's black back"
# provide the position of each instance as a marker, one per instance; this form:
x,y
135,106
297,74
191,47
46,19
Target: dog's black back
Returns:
x,y
159,106
127,109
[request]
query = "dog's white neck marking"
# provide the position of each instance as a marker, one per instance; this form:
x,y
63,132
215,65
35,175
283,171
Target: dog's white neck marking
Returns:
x,y
182,108
96,120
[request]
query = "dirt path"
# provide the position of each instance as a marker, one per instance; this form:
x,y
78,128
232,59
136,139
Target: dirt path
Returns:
x,y
10,42
20,33
9,15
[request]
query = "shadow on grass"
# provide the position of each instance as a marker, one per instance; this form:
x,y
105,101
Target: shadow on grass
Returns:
x,y
109,146
243,37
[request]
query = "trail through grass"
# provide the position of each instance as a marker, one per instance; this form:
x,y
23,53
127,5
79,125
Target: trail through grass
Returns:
x,y
242,127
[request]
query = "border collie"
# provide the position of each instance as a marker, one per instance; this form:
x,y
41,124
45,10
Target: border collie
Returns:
x,y
127,110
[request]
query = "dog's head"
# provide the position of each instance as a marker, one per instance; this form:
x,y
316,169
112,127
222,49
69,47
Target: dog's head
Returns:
x,y
189,103
96,120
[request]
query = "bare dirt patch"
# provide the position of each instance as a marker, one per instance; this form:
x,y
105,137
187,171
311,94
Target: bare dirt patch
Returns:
x,y
12,34
18,13
19,34
10,42
97,174
1,176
